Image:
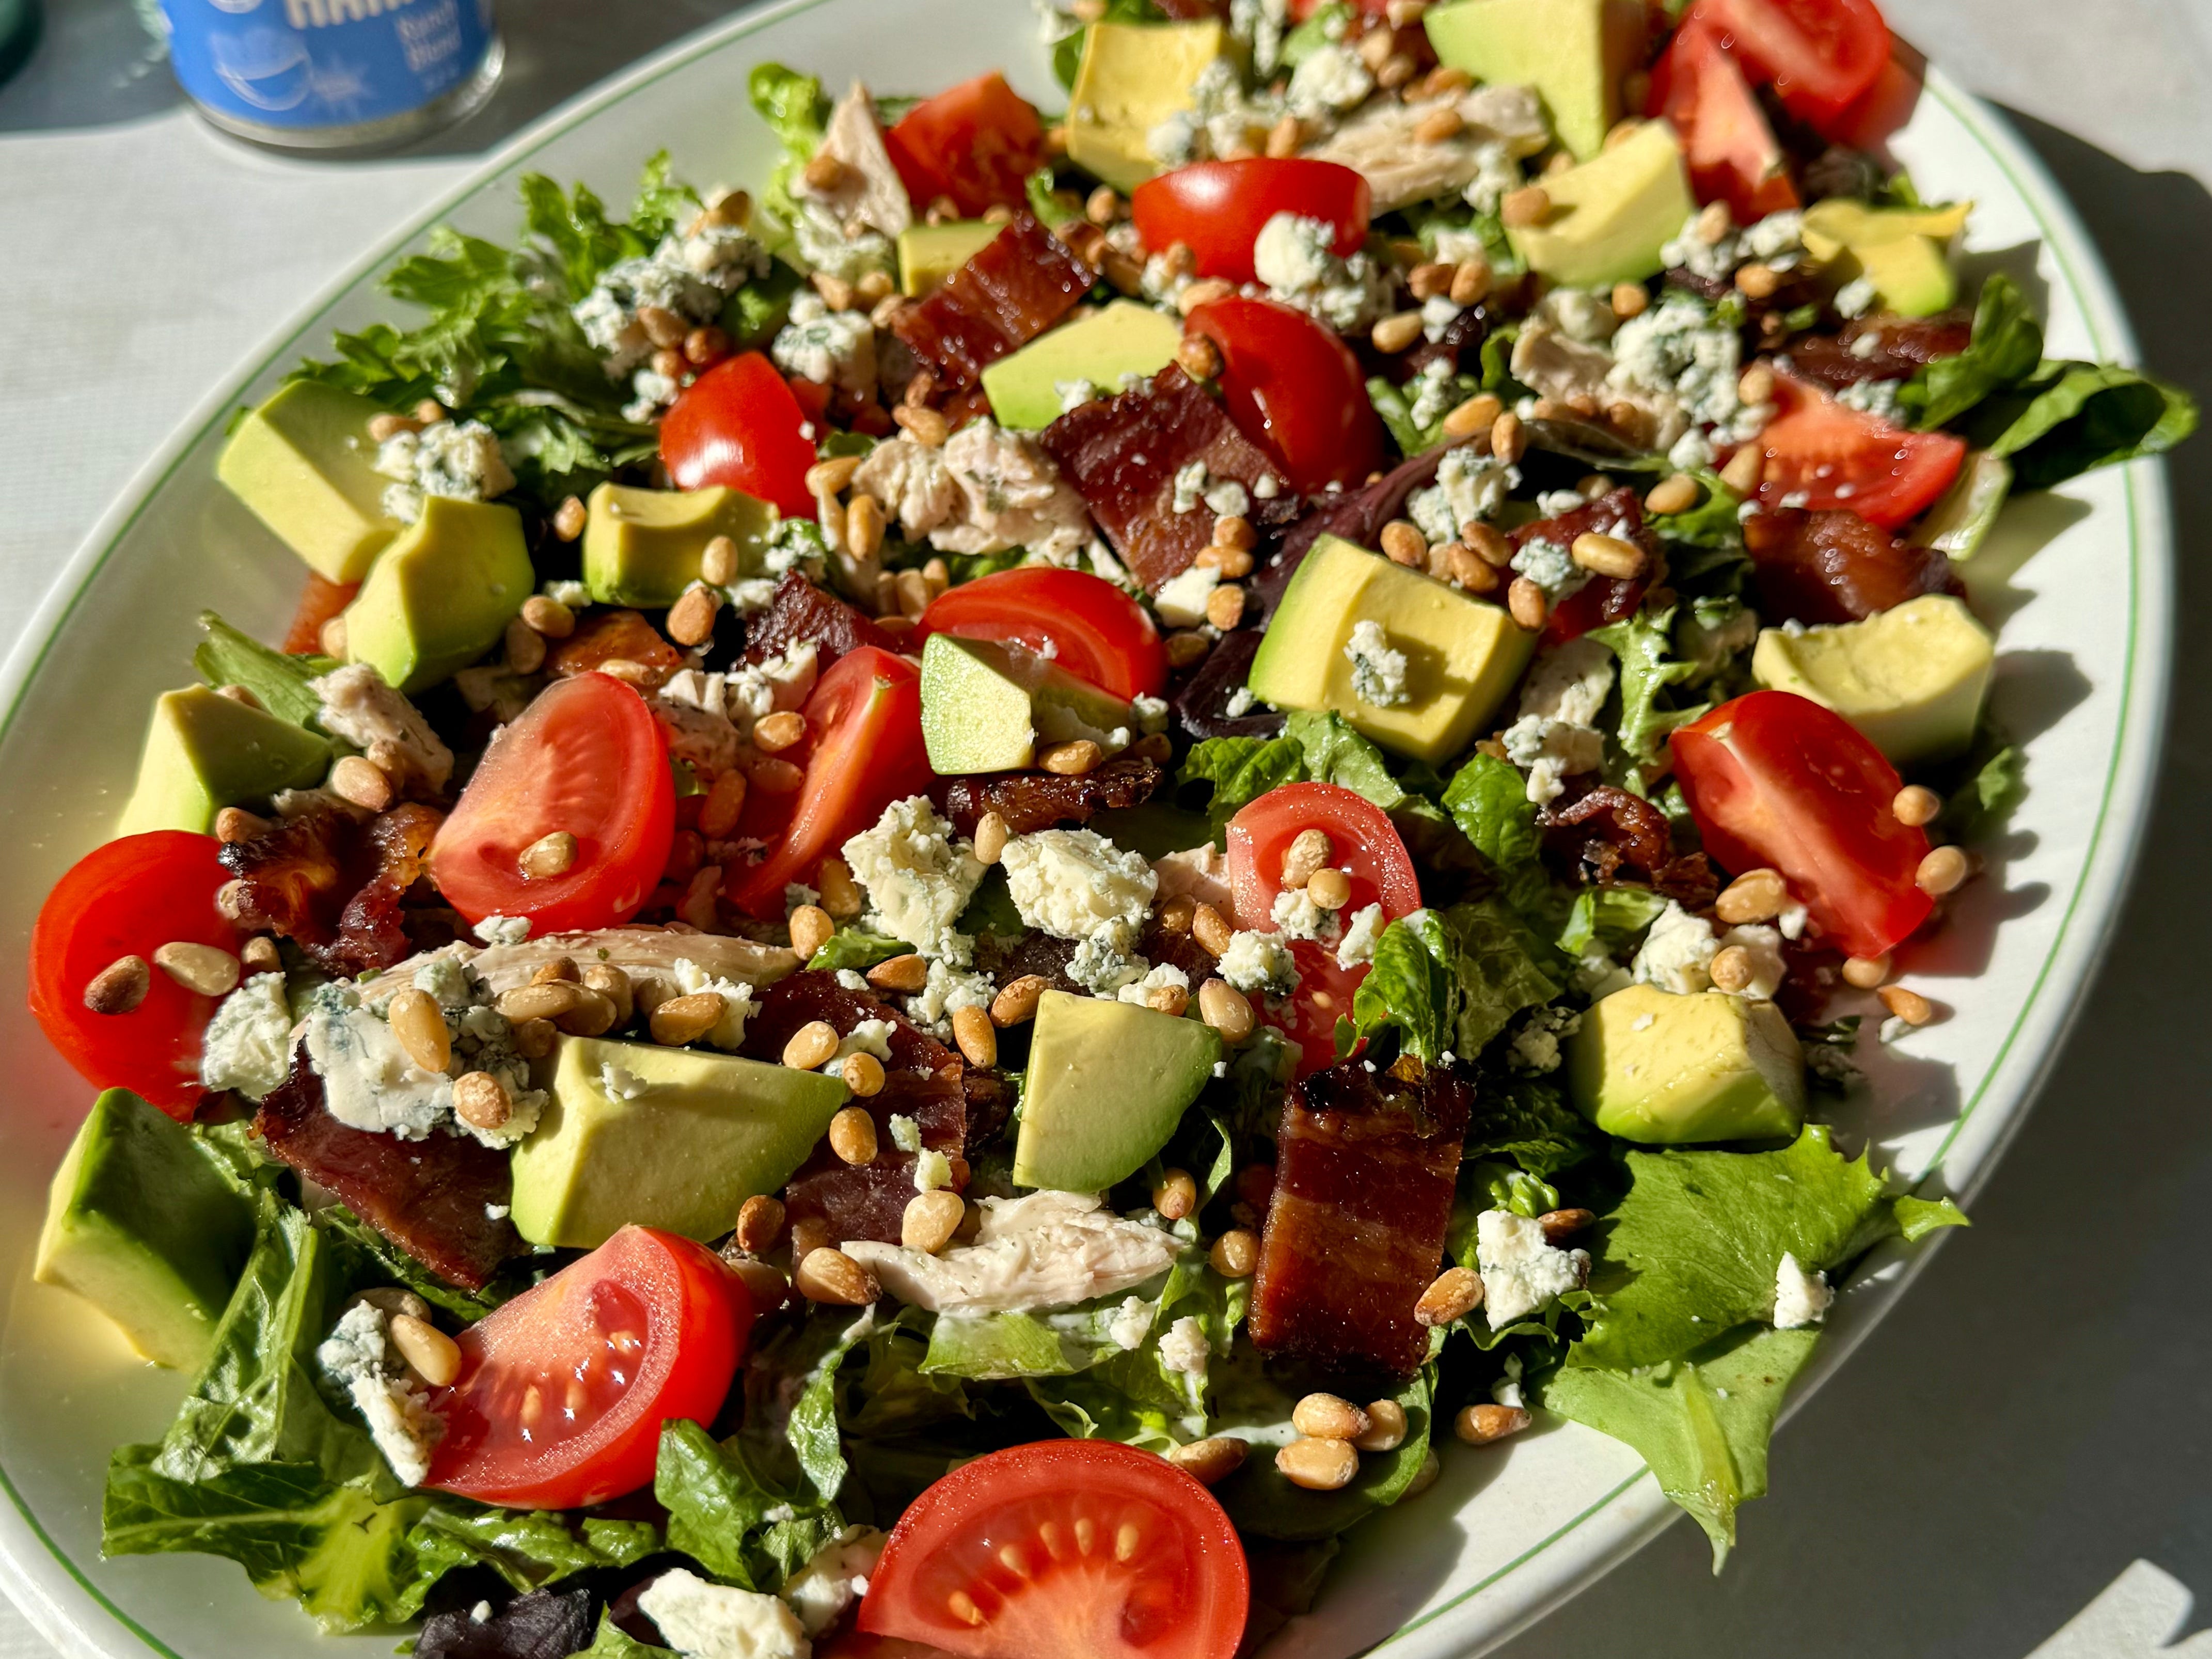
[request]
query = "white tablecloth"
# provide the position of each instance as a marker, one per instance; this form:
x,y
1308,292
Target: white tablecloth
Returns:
x,y
2027,1423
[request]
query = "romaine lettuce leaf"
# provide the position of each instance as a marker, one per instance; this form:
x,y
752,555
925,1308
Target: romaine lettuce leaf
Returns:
x,y
1133,1394
1450,981
1613,917
1488,799
2005,349
279,682
1315,748
1644,644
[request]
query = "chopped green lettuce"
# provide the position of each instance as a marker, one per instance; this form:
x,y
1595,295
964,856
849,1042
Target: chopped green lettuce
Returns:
x,y
2006,347
1315,748
1261,1500
1644,644
278,682
1450,981
1488,799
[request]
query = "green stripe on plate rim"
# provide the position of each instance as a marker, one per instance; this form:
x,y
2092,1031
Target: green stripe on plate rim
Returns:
x,y
1968,113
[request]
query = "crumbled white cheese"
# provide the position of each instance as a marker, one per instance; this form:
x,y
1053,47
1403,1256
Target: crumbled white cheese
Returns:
x,y
1189,487
504,930
1166,976
919,877
1132,1323
357,1356
1677,952
830,348
870,1037
1800,1299
1550,750
1182,599
1296,916
1521,1271
1259,962
1569,682
248,1044
932,1170
704,1621
1296,258
906,1133
1328,80
1762,946
1240,702
460,461
1551,566
1378,670
1102,967
947,990
1183,1347
738,1006
1031,1255
1076,885
1361,932
1536,1046
1679,349
836,1577
1857,297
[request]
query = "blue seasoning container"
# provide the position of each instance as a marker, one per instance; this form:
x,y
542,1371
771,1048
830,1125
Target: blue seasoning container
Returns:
x,y
333,75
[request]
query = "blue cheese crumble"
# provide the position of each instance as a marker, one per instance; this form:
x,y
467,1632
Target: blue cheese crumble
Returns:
x,y
358,1358
919,877
1296,259
1801,1298
461,462
830,348
704,1621
1521,1272
248,1045
1259,962
1378,672
1076,885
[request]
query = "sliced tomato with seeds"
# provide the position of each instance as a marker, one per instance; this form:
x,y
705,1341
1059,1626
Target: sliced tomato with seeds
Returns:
x,y
1063,1549
1774,780
740,424
588,759
562,1391
1087,625
130,898
1217,209
1823,453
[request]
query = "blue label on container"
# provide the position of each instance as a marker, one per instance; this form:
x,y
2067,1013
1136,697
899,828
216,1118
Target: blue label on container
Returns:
x,y
309,63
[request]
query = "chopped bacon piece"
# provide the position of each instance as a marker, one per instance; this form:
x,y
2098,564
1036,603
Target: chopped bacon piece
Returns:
x,y
1831,566
922,1080
1123,455
1019,284
1365,1164
800,610
615,636
1030,801
332,883
1880,349
1604,830
1602,599
428,1197
1009,959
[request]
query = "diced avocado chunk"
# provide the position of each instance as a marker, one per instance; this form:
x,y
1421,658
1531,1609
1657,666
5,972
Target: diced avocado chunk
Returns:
x,y
1903,252
1107,1083
1660,1068
1133,77
1101,346
442,594
671,1137
1575,52
1957,525
927,254
1462,654
986,707
1611,216
205,753
140,1224
304,463
1913,678
642,547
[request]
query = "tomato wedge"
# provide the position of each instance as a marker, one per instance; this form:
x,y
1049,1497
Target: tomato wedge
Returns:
x,y
1820,56
1774,780
1726,142
130,898
976,142
587,758
1823,453
864,717
1063,1549
562,1391
319,600
1295,389
1084,623
1217,209
740,424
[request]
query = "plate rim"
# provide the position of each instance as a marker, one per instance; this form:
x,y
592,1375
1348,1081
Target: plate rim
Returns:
x,y
76,1617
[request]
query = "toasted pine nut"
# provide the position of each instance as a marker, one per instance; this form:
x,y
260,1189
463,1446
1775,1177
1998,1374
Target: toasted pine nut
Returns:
x,y
120,986
1508,440
1940,871
1226,1008
1608,556
1866,973
1403,543
1478,1426
1329,889
383,428
547,616
1185,647
527,1002
1073,758
1630,300
863,1073
1177,1195
1200,357
1102,206
724,802
613,983
553,854
1908,1006
1745,468
1676,493
593,1014
332,638
1439,124
904,974
1487,542
864,526
1212,1461
1225,606
852,1135
435,1357
811,1045
780,731
662,326
719,563
355,779
1470,284
1396,72
832,476
1529,205
978,1039
1318,1465
1754,895
1730,969
924,425
1758,282
1310,850
1756,384
760,1223
421,1028
1564,1224
773,775
1916,806
480,1099
1396,332
841,895
811,928
534,1038
831,1276
1478,414
560,970
1204,292
1453,1294
990,838
823,174
930,1219
1208,928
1017,1001
1456,563
1285,137
1175,913
1386,1430
1527,602
233,824
687,1018
260,955
569,521
1235,1254
1329,1417
206,969
692,619
1428,279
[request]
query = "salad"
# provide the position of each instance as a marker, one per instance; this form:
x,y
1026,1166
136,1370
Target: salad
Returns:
x,y
986,885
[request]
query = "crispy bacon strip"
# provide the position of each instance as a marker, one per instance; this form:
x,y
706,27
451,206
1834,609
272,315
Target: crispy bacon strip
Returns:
x,y
1030,801
332,883
1881,348
923,1080
426,1196
1365,1166
800,610
1123,455
1604,832
1013,289
1831,566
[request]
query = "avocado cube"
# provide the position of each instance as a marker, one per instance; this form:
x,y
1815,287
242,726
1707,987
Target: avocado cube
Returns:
x,y
1575,52
986,707
1912,678
1107,1083
305,464
1133,77
1903,252
927,254
205,753
1462,654
1662,1069
1611,216
643,547
141,1225
442,594
672,1137
1100,346
1957,525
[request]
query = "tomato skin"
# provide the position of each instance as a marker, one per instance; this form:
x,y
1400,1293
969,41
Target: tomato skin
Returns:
x,y
1185,1594
1834,456
1774,780
1096,632
865,720
1727,142
738,424
130,897
1217,209
976,142
1820,56
319,600
582,1325
586,757
1294,389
